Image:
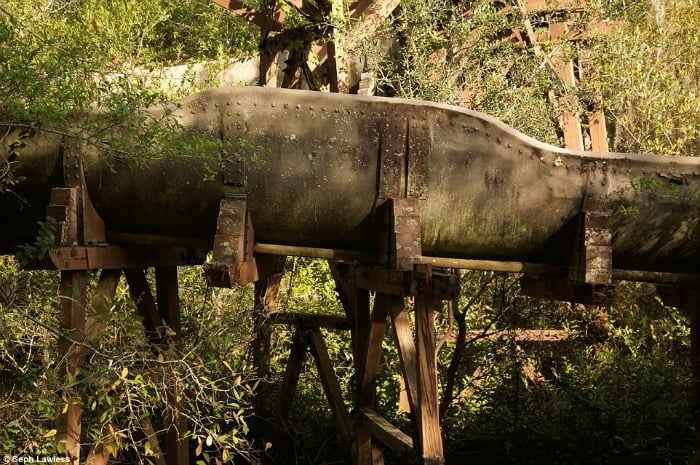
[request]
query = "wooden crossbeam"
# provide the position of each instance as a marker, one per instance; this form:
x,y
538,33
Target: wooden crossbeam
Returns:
x,y
310,320
388,434
250,14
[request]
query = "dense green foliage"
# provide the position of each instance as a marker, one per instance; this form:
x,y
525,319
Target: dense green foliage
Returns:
x,y
615,391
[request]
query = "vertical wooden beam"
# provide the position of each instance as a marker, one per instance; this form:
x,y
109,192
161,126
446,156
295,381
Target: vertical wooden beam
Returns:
x,y
427,410
265,294
72,299
63,207
407,351
167,295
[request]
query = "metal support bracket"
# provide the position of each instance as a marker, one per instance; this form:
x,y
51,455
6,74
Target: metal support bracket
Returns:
x,y
402,239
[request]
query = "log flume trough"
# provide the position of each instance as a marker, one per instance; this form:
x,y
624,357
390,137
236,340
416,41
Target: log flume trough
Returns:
x,y
326,161
388,189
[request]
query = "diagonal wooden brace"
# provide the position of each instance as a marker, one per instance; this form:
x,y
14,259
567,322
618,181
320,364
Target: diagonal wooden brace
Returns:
x,y
232,263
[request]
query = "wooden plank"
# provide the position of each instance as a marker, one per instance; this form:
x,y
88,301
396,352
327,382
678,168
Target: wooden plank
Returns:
x,y
568,119
388,434
72,299
250,14
331,387
407,350
100,306
372,13
307,8
427,411
571,30
265,295
598,131
310,320
152,437
72,257
288,389
167,296
141,294
356,304
368,383
100,452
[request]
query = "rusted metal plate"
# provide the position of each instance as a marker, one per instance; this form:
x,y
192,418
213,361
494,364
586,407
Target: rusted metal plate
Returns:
x,y
392,173
420,141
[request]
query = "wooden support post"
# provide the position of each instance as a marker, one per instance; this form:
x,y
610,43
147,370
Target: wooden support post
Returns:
x,y
167,296
427,411
357,307
72,301
63,207
407,352
265,294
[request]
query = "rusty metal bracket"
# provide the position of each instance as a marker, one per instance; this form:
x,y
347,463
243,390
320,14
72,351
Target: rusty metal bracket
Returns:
x,y
232,263
400,242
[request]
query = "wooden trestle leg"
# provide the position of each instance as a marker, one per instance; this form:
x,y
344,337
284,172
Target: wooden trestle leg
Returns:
x,y
72,300
427,408
155,313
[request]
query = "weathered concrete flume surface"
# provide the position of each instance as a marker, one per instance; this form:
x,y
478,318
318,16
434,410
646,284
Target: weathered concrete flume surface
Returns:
x,y
327,161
